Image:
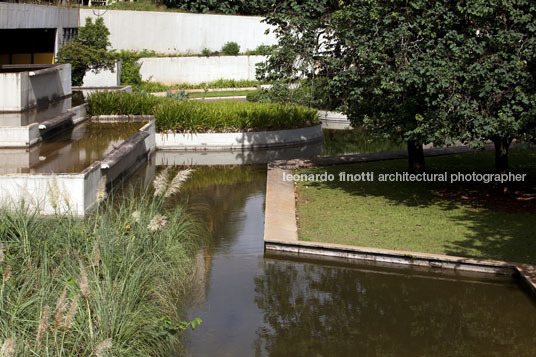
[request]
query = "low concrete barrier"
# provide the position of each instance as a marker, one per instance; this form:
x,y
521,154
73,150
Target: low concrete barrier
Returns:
x,y
238,141
130,155
334,120
52,193
19,136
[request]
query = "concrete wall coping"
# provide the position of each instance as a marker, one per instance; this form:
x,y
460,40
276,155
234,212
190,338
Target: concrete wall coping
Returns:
x,y
223,141
238,141
280,232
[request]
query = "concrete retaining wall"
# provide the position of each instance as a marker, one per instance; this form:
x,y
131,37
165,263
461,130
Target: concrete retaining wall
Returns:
x,y
242,157
174,32
25,16
238,141
52,193
24,90
103,78
195,70
23,136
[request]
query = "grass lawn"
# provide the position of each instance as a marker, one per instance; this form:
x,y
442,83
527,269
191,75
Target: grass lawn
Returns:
x,y
220,94
464,219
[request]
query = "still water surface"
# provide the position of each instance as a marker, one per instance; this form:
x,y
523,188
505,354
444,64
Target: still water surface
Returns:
x,y
253,303
257,304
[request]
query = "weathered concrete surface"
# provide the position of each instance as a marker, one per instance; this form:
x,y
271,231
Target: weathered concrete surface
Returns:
x,y
280,217
25,16
175,32
22,91
198,69
437,261
334,120
125,159
103,77
238,141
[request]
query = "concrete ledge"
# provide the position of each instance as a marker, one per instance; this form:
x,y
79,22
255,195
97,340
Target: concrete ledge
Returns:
x,y
280,215
124,160
19,136
242,157
334,120
122,118
436,261
238,141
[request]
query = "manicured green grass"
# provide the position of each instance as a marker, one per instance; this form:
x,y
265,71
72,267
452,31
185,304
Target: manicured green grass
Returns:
x,y
464,219
221,94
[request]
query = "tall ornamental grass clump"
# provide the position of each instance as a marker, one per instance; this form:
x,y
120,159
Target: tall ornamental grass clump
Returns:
x,y
107,285
195,116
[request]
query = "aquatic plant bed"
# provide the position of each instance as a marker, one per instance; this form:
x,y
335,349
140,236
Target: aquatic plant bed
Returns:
x,y
181,116
460,218
107,285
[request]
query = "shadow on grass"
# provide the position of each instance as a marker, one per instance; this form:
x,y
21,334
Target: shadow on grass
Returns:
x,y
467,219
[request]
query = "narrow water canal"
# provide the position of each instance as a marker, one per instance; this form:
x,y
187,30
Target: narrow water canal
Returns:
x,y
253,303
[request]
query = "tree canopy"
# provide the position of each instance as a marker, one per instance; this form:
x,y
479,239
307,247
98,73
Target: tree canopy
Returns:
x,y
87,51
419,71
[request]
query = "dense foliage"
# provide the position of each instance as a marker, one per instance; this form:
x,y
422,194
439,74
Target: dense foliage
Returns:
x,y
107,285
420,71
230,49
493,94
250,7
87,51
312,93
195,116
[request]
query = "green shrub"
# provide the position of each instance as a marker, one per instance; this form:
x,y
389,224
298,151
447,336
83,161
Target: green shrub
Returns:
x,y
194,116
309,93
230,49
87,51
261,50
130,69
206,52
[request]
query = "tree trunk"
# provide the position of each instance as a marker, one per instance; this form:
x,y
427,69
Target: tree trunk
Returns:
x,y
415,158
501,153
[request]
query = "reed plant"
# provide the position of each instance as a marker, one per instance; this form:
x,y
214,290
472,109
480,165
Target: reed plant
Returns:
x,y
110,284
192,116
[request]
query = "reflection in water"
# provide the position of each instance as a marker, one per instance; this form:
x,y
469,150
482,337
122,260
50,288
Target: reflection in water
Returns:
x,y
316,309
357,141
281,306
71,151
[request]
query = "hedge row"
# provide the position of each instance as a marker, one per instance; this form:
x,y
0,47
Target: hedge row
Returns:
x,y
194,116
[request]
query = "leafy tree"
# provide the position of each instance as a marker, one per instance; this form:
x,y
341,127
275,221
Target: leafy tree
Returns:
x,y
494,96
87,51
385,59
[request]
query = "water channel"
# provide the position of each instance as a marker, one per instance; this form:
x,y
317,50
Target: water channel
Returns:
x,y
253,303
